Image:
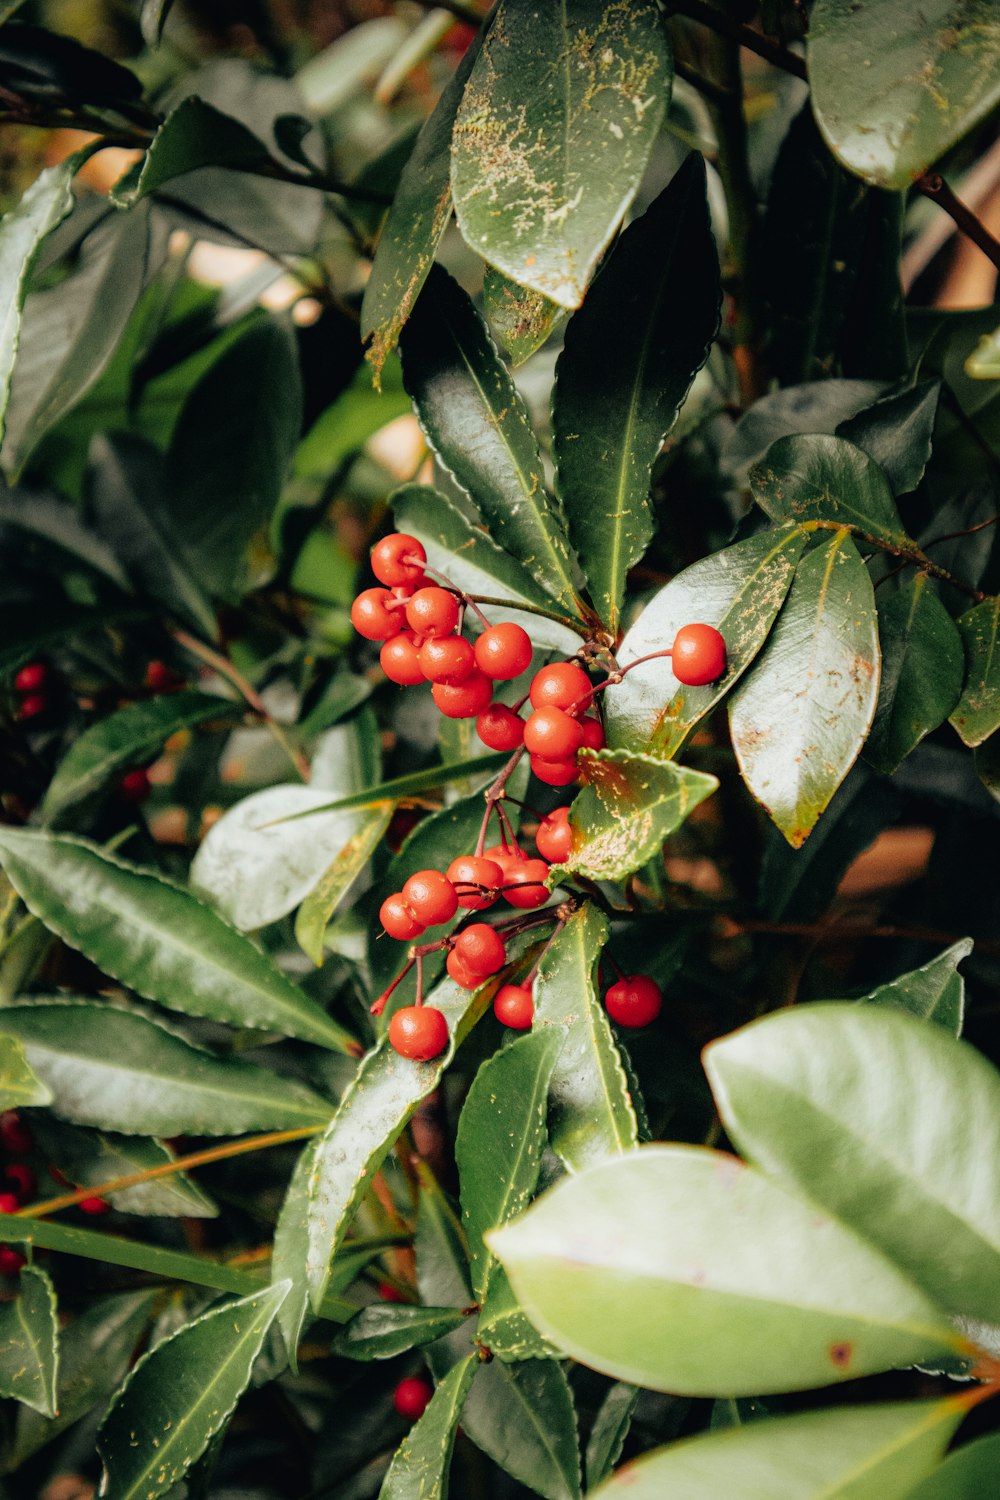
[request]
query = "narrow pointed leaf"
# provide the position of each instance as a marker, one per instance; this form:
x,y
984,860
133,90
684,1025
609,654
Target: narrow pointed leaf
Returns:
x,y
967,1474
522,319
383,1331
935,992
821,478
610,1429
629,357
419,1469
324,898
88,1158
478,768
630,805
291,1246
977,713
193,135
29,1343
19,1085
923,666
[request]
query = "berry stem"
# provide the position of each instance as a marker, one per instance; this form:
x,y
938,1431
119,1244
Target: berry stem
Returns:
x,y
577,626
495,794
379,1005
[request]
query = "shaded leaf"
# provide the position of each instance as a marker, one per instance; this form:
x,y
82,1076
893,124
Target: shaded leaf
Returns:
x,y
610,1429
347,424
897,433
820,478
193,135
419,1469
89,1159
521,318
967,1474
479,768
324,898
923,666
935,992
29,1343
381,1331
18,1084
977,713
58,524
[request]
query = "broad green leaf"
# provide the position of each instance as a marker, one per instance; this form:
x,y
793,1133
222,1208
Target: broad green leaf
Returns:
x,y
923,665
893,88
977,713
553,135
591,1110
193,135
419,1468
521,318
968,1474
479,427
801,716
842,1453
180,1395
897,432
821,478
610,1429
29,1337
18,1084
628,360
383,1330
117,1070
124,739
157,938
346,425
738,590
854,1105
88,1158
57,523
935,992
683,1270
631,803
323,900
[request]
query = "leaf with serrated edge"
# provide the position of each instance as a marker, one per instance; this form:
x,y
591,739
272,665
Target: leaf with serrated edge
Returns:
x,y
193,135
816,477
923,665
610,1429
19,1085
323,900
29,1343
419,1468
180,1395
684,1270
935,992
799,719
157,938
522,319
854,1105
291,1246
382,1331
977,713
89,1158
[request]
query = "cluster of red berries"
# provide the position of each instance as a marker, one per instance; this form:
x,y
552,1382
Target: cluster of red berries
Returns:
x,y
29,684
19,1181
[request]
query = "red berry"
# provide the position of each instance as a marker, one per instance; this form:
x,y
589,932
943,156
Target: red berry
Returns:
x,y
503,651
555,772
15,1137
94,1206
411,1396
551,734
398,920
404,820
399,659
419,1032
481,949
390,1293
448,658
514,1007
593,734
11,1261
698,655
33,706
372,616
528,877
461,973
432,611
634,1001
22,1179
9,1203
466,699
500,727
472,870
562,684
399,560
160,678
135,785
431,897
31,677
555,837
507,859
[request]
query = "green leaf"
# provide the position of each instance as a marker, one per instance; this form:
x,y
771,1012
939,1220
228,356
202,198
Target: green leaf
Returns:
x,y
117,1070
935,992
521,318
923,665
479,768
984,361
323,900
382,1331
126,738
290,1248
346,425
800,718
629,357
966,1474
591,1112
157,938
89,1159
610,1429
897,432
893,88
193,135
29,1343
479,427
683,1270
631,803
18,1084
854,1106
180,1395
553,135
419,1468
821,478
977,713
738,590
842,1453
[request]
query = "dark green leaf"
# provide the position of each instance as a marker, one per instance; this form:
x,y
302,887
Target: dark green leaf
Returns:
x,y
897,433
419,1469
521,319
610,1429
324,898
628,360
479,768
553,135
58,524
977,713
935,992
923,666
193,135
383,1330
29,1343
18,1084
630,805
346,425
967,1474
89,1159
821,478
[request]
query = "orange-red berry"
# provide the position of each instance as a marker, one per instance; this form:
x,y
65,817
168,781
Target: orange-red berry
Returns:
x,y
503,651
698,655
135,785
419,1032
500,727
555,772
551,734
11,1261
15,1137
461,973
464,700
373,617
554,837
447,658
514,1007
528,879
398,920
9,1203
593,734
431,897
562,684
481,949
432,611
411,1397
634,1001
399,659
94,1206
399,560
474,870
31,677
33,706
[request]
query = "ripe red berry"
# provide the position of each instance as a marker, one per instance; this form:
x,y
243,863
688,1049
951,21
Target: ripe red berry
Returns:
x,y
431,897
160,678
398,920
94,1206
503,651
461,973
399,659
528,879
33,706
500,727
551,734
593,734
634,1001
698,655
372,616
15,1137
390,1293
21,1179
411,1397
514,1007
464,700
135,785
31,677
448,658
555,837
473,870
399,560
419,1032
432,611
481,949
562,684
9,1203
507,859
11,1261
555,772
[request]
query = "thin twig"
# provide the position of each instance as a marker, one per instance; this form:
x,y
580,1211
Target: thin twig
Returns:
x,y
912,555
745,36
933,186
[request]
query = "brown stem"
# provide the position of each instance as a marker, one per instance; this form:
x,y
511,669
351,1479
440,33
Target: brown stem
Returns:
x,y
953,536
823,931
495,795
911,555
933,186
379,1005
533,609
744,36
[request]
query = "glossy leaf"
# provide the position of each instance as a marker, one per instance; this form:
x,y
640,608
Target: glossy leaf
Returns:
x,y
800,718
289,1251
479,427
522,319
842,1453
324,898
29,1343
591,1111
738,590
19,1085
967,1474
157,938
977,713
935,992
180,1395
893,88
923,666
419,1469
553,135
89,1158
631,803
118,1070
382,1331
628,360
610,1429
897,432
822,478
849,1104
193,135
684,1270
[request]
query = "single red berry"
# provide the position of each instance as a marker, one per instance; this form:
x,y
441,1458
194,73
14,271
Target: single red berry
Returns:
x,y
21,1179
698,655
11,1261
593,734
160,678
31,677
135,785
528,879
390,1293
500,727
507,859
555,772
372,616
562,684
514,1007
94,1206
481,949
398,920
431,897
473,870
634,1001
461,973
554,837
551,734
33,706
399,560
503,651
432,611
466,699
15,1137
411,1397
419,1032
399,659
9,1203
447,658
